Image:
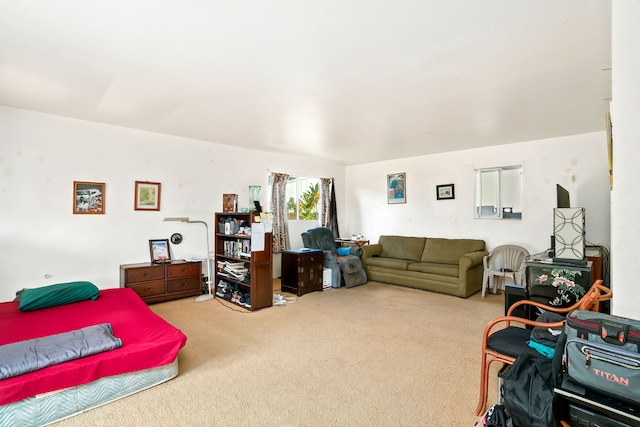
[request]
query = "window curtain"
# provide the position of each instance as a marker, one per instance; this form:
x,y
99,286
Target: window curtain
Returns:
x,y
279,207
329,217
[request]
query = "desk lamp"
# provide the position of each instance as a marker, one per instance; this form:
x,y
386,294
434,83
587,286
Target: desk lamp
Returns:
x,y
209,278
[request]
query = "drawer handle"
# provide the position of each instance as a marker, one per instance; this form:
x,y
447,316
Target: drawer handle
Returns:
x,y
147,290
147,274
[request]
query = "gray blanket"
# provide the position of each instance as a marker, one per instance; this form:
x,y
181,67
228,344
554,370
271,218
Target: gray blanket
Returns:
x,y
31,355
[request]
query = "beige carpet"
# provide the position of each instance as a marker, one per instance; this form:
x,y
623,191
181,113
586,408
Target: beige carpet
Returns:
x,y
374,355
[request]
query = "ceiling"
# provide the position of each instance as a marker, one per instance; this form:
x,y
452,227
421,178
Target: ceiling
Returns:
x,y
352,81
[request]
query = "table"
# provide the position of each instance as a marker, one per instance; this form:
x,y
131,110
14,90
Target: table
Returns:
x,y
348,242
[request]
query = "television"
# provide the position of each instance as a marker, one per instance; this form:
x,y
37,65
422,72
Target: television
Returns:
x,y
562,196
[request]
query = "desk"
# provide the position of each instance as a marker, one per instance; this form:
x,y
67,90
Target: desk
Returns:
x,y
348,242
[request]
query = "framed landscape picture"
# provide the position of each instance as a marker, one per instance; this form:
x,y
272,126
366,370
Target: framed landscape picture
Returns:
x,y
88,197
396,188
147,196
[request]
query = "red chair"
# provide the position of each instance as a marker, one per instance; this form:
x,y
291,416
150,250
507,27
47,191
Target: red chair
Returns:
x,y
506,343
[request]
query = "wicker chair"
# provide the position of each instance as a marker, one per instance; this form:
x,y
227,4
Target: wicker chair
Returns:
x,y
505,344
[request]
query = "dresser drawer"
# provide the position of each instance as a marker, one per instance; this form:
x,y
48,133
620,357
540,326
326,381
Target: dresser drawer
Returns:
x,y
312,259
184,270
149,288
184,284
144,274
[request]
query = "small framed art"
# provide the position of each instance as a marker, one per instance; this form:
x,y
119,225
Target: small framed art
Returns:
x,y
88,197
147,196
229,203
446,191
396,188
159,251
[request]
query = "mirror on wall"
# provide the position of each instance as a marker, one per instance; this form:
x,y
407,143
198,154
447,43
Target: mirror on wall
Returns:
x,y
498,193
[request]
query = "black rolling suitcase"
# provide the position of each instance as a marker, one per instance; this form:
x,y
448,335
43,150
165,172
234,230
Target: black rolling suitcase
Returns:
x,y
602,354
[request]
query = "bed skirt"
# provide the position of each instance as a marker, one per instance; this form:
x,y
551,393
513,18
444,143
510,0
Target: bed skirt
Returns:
x,y
51,407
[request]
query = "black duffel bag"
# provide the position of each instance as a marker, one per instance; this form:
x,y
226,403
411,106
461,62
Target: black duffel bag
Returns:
x,y
528,391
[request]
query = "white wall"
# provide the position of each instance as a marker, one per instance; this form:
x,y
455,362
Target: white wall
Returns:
x,y
578,163
625,204
43,242
40,157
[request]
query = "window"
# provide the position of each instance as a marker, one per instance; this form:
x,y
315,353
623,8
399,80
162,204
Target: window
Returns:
x,y
499,193
303,198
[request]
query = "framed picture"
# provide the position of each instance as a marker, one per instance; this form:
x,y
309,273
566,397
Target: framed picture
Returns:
x,y
88,197
159,251
445,191
147,196
396,188
229,203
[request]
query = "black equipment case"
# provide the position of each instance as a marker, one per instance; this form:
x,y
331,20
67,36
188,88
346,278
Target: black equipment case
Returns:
x,y
602,353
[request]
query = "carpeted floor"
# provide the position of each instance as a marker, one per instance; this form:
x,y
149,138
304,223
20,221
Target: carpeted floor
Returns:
x,y
374,355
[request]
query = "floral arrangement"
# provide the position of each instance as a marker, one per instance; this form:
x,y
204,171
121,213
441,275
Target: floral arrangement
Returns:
x,y
564,281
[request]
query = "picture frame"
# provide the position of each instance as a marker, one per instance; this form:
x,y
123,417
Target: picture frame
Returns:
x,y
147,196
396,188
159,251
229,203
88,197
445,192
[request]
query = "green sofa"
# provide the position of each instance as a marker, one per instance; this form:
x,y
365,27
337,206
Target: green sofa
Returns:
x,y
449,266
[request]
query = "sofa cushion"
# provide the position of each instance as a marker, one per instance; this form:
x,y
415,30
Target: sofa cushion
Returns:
x,y
449,251
449,270
396,264
402,247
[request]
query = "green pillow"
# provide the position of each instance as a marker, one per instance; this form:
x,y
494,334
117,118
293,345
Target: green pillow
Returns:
x,y
53,295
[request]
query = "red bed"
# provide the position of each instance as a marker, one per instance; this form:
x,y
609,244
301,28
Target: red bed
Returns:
x,y
148,341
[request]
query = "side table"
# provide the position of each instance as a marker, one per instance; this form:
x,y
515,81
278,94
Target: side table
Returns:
x,y
348,242
302,271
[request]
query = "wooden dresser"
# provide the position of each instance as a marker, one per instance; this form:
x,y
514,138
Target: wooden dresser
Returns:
x,y
162,282
302,271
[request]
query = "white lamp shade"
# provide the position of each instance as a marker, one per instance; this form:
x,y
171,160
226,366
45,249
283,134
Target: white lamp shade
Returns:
x,y
569,233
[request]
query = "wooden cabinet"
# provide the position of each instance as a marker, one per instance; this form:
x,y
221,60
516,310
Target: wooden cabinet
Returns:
x,y
302,271
162,282
548,282
240,241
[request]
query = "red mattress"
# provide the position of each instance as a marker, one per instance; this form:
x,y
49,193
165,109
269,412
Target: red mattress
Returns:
x,y
148,341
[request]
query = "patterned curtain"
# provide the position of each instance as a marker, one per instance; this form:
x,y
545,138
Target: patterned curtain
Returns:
x,y
329,217
325,215
278,205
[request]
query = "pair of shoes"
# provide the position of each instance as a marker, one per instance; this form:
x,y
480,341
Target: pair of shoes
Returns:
x,y
221,288
245,300
278,299
235,297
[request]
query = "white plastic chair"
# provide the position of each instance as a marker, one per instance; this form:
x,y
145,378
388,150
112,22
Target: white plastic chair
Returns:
x,y
504,261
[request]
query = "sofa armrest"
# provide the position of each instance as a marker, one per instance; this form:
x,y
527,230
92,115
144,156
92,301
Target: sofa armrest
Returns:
x,y
371,250
472,259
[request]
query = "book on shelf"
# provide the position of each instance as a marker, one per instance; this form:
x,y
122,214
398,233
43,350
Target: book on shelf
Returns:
x,y
229,203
